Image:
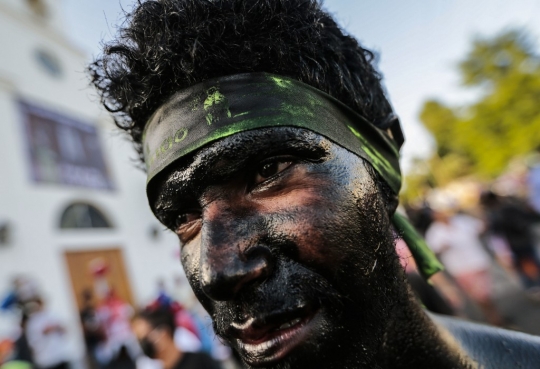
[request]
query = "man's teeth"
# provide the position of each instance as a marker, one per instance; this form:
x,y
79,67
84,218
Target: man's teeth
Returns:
x,y
289,324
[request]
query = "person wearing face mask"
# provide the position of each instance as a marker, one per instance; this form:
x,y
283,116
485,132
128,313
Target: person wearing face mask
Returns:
x,y
154,328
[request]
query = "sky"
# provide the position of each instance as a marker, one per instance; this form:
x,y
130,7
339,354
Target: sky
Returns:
x,y
419,43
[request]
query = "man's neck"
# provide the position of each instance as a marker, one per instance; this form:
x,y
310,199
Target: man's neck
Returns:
x,y
414,341
170,356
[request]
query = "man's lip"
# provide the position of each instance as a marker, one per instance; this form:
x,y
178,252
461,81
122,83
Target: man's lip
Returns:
x,y
270,339
257,330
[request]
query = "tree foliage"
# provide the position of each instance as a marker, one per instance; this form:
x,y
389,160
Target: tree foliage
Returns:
x,y
504,122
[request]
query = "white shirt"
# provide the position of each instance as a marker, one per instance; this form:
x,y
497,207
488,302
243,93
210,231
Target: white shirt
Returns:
x,y
464,252
51,348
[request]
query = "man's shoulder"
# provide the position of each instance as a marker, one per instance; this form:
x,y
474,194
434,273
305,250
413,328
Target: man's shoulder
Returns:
x,y
493,348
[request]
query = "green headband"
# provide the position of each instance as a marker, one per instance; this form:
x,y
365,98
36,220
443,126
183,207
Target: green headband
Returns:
x,y
221,107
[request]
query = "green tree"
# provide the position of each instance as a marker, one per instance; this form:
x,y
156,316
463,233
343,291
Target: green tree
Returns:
x,y
481,138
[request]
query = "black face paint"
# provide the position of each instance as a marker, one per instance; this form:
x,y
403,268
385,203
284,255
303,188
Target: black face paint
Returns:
x,y
307,253
148,348
327,250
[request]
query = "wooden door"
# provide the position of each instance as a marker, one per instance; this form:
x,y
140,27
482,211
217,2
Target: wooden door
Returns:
x,y
96,270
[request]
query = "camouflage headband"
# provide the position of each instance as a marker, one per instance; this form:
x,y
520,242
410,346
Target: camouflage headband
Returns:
x,y
223,106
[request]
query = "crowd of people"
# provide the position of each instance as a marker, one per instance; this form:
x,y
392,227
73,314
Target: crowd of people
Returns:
x,y
499,231
40,341
162,334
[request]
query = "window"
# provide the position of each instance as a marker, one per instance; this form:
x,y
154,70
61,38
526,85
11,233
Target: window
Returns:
x,y
49,62
81,215
63,150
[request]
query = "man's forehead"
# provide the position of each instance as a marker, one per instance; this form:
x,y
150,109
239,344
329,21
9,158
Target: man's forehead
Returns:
x,y
233,153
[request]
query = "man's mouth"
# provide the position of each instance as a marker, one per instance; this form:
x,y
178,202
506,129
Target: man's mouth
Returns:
x,y
270,339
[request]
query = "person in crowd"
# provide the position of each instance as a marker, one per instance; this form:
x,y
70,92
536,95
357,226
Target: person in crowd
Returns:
x,y
155,328
20,300
119,348
191,307
513,221
23,290
47,337
502,253
23,352
273,153
455,238
186,335
93,328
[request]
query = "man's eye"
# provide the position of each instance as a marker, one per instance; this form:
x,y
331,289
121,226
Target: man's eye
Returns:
x,y
188,225
270,169
186,218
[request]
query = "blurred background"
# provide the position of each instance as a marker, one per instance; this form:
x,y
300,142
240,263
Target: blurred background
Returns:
x,y
80,249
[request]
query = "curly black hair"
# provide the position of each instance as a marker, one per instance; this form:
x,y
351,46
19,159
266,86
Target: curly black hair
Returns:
x,y
167,45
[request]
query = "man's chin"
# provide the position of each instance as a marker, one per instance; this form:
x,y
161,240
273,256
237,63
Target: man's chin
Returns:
x,y
329,338
283,344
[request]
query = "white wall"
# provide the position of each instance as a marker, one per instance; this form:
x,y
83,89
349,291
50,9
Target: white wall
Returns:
x,y
38,245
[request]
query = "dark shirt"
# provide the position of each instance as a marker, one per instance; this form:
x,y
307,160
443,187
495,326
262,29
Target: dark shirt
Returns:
x,y
92,328
23,352
196,360
514,221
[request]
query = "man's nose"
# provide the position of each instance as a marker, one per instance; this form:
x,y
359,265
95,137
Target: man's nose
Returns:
x,y
229,261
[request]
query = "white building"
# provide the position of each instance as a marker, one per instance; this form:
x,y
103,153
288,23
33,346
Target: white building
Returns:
x,y
58,148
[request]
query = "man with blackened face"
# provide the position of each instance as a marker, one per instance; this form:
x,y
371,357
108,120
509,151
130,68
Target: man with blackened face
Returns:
x,y
273,153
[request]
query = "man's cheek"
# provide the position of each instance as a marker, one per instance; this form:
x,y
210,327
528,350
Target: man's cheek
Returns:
x,y
190,257
319,243
333,236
